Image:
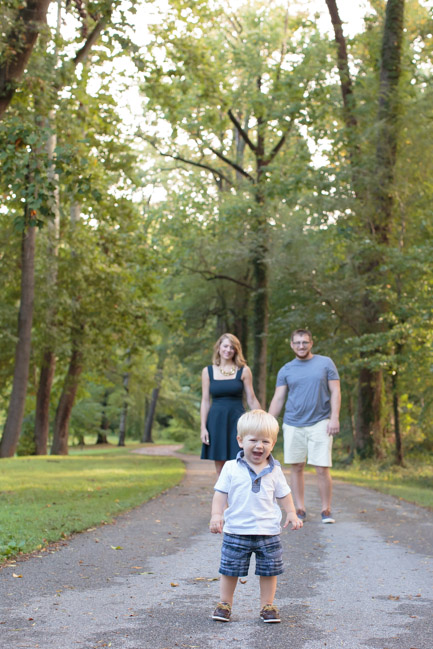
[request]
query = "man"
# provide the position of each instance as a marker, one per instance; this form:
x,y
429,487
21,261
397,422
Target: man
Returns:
x,y
312,386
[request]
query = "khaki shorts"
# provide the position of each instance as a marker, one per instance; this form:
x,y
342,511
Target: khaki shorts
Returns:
x,y
311,443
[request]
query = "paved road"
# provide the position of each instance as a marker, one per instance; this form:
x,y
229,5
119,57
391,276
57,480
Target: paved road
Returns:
x,y
364,583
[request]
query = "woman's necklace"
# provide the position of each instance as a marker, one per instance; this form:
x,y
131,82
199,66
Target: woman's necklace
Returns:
x,y
230,372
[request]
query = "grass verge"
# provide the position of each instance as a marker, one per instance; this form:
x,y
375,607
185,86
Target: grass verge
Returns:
x,y
413,483
44,499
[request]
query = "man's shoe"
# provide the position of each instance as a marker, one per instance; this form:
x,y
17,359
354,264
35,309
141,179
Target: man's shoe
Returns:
x,y
222,612
269,613
301,514
327,516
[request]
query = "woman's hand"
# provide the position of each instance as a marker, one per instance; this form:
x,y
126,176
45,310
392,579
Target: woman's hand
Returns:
x,y
204,436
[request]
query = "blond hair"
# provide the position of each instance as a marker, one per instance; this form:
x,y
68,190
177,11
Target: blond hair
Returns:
x,y
238,358
258,421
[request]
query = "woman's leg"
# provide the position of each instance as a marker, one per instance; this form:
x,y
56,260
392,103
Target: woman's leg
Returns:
x,y
219,466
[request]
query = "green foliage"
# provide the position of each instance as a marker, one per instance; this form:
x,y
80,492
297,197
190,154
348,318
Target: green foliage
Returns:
x,y
26,444
139,276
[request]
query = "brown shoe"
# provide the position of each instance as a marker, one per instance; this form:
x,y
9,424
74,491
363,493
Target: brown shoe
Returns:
x,y
222,612
269,613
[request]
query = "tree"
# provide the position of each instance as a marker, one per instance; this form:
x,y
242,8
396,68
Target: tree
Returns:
x,y
39,206
377,205
25,23
234,96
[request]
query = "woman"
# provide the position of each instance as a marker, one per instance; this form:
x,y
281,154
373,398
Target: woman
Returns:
x,y
225,381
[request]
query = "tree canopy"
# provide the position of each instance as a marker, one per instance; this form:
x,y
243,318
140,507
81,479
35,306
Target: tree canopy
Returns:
x,y
278,177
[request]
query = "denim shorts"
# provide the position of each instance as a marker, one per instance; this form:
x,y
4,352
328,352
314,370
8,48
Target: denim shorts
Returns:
x,y
237,550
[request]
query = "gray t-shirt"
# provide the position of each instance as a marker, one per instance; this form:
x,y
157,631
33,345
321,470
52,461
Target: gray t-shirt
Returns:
x,y
308,399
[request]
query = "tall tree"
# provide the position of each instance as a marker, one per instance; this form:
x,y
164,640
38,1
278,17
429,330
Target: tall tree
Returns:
x,y
25,21
232,88
378,203
13,424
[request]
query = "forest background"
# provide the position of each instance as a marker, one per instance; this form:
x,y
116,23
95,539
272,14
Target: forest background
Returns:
x,y
172,171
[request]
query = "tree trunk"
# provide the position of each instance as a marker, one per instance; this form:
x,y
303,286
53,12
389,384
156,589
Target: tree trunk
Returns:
x,y
147,433
397,432
370,426
261,279
365,415
21,40
42,414
12,429
124,413
105,424
260,323
48,364
66,402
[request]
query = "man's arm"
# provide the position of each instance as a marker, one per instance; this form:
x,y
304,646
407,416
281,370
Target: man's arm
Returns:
x,y
334,421
278,400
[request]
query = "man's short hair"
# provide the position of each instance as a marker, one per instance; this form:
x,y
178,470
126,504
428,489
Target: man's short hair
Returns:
x,y
258,421
301,332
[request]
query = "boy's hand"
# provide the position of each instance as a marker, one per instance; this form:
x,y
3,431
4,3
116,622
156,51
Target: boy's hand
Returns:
x,y
216,523
292,518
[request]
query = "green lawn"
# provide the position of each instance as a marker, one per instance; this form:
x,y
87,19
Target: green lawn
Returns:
x,y
43,499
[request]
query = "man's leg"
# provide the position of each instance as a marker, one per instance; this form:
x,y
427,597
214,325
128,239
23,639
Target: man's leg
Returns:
x,y
297,484
324,481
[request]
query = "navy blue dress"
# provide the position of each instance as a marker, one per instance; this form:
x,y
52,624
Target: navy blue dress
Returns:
x,y
223,417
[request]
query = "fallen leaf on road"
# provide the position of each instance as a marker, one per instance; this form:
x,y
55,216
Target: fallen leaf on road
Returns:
x,y
116,547
174,584
394,597
136,567
17,576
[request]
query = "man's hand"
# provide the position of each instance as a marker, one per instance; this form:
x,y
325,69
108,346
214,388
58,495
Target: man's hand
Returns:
x,y
333,427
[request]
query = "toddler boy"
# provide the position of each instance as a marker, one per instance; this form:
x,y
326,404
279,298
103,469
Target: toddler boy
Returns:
x,y
245,508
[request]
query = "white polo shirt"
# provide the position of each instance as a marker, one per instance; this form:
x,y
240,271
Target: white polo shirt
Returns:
x,y
252,505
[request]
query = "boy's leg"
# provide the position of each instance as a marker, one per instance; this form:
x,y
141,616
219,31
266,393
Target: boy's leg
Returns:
x,y
268,586
227,588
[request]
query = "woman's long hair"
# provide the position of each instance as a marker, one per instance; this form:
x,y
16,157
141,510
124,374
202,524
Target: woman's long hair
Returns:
x,y
238,358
